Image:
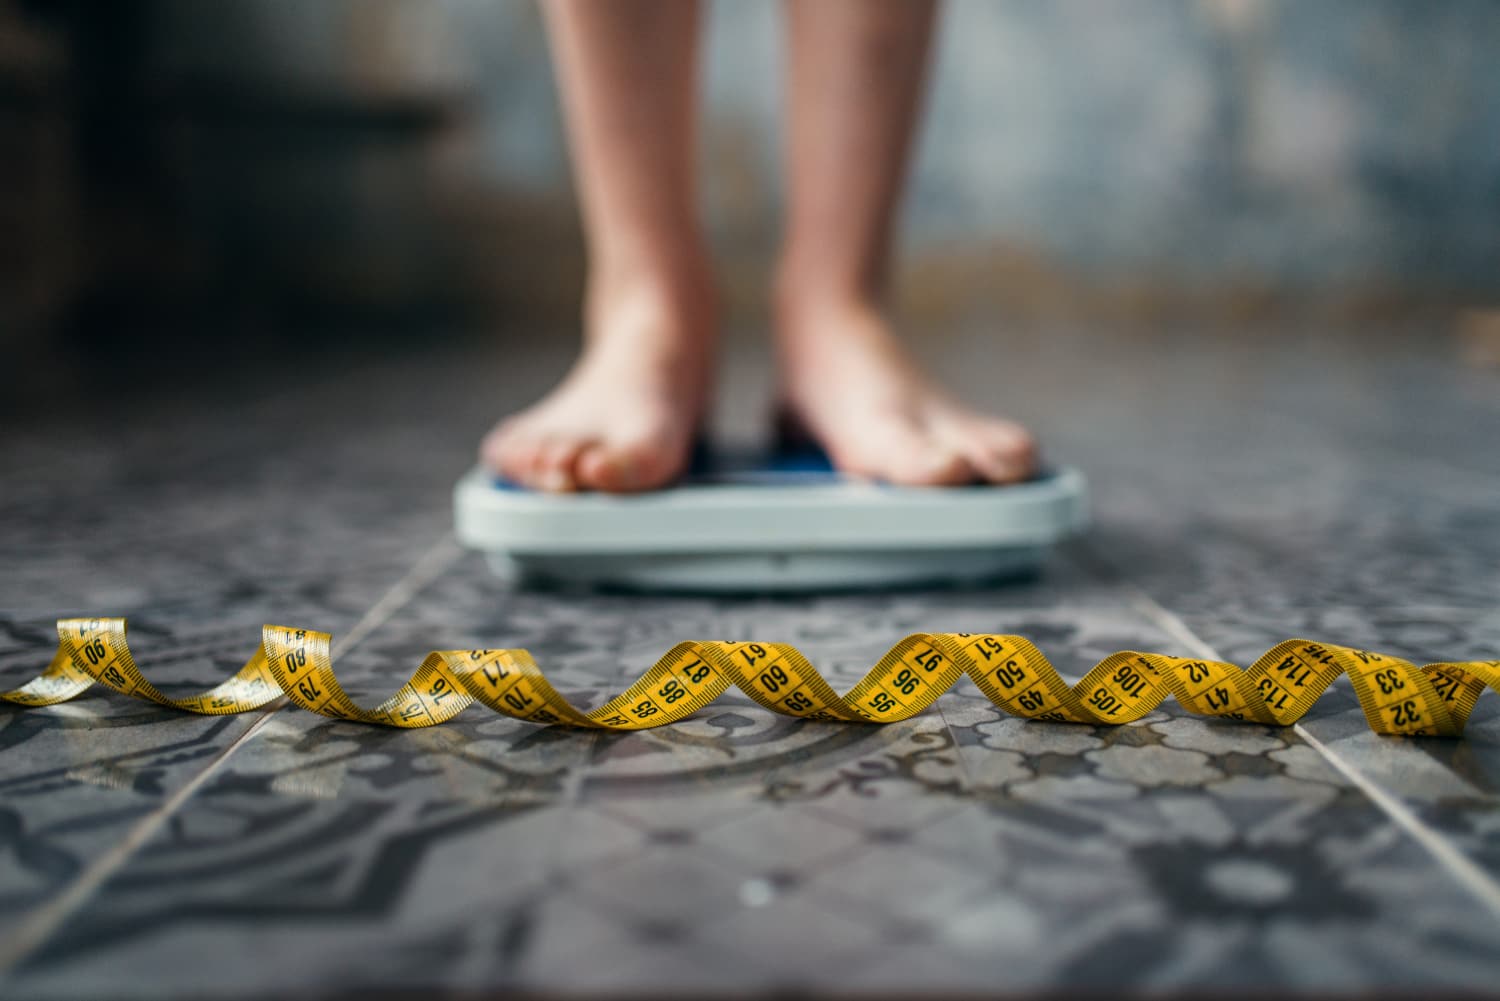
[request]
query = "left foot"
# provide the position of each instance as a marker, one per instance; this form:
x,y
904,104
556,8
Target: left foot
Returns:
x,y
847,381
623,420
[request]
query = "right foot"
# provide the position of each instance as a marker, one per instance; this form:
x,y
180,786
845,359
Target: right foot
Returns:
x,y
623,419
848,383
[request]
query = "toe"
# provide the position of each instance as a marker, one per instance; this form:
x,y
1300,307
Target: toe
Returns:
x,y
629,465
511,450
608,468
1015,443
555,464
652,461
493,446
597,469
524,458
1000,451
900,452
655,461
935,466
993,467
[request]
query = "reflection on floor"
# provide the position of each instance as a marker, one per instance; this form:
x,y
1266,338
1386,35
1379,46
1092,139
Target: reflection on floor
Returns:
x,y
1247,489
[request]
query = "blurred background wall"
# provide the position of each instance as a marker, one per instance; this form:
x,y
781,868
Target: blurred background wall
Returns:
x,y
311,164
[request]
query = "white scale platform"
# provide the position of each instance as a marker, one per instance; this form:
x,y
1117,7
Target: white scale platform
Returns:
x,y
748,522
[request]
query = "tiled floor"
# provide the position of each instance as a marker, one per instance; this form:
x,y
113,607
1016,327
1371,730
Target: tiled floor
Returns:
x,y
1247,488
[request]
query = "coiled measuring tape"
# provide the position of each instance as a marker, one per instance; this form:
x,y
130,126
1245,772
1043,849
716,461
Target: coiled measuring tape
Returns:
x,y
1397,696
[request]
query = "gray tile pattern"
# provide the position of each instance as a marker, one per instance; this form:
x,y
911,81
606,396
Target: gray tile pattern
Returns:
x,y
1241,498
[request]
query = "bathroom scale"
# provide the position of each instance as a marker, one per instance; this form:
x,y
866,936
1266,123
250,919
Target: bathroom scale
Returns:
x,y
748,520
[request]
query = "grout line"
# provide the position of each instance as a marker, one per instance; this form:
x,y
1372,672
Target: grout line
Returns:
x,y
966,775
428,567
1469,874
46,920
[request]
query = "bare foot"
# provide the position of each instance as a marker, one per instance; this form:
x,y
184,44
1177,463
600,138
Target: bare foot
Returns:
x,y
624,417
850,384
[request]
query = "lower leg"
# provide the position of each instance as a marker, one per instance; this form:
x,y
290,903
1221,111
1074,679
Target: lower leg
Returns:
x,y
624,416
855,83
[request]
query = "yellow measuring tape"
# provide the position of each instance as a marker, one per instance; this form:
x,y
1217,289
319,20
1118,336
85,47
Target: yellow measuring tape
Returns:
x,y
1397,696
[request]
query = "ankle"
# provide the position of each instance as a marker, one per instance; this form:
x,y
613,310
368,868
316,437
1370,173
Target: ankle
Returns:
x,y
809,300
650,299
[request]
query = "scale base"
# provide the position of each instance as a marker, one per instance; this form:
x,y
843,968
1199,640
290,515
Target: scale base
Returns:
x,y
730,573
741,522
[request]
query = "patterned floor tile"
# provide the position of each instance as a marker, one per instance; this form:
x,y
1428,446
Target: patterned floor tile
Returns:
x,y
1245,493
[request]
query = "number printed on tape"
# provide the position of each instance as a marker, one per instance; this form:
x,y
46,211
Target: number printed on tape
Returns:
x,y
1398,697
